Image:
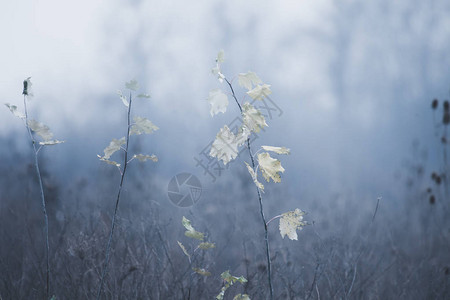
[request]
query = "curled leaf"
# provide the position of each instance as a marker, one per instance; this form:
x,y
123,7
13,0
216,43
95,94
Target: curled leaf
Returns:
x,y
190,231
242,135
15,112
218,101
290,222
229,280
202,272
216,70
253,118
142,157
143,96
206,245
254,177
110,162
220,56
142,125
270,167
123,98
40,129
27,90
260,92
51,143
279,150
227,277
184,250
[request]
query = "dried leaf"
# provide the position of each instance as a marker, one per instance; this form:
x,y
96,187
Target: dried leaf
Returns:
x,y
123,98
279,150
270,167
206,245
142,125
142,157
290,222
202,272
225,146
218,101
51,143
110,162
255,177
253,118
260,92
184,249
15,112
190,231
248,80
132,85
40,129
114,145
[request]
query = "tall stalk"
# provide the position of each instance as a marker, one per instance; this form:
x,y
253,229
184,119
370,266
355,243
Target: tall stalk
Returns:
x,y
113,222
261,207
41,187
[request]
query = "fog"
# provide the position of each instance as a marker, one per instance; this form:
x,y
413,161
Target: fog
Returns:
x,y
352,85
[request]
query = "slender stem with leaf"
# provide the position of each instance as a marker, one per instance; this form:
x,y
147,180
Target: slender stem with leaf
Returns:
x,y
113,222
43,203
36,128
260,201
225,147
140,126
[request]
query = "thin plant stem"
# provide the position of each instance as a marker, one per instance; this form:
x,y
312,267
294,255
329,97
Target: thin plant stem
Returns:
x,y
44,207
113,222
261,207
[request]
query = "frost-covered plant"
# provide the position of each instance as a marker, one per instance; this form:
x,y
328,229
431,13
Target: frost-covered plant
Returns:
x,y
227,143
202,245
139,126
35,128
200,237
228,281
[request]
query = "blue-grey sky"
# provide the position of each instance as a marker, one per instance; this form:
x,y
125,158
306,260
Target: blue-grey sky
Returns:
x,y
354,79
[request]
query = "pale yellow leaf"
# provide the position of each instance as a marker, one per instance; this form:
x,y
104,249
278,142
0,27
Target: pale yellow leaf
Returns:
x,y
252,117
279,150
255,177
260,92
123,98
290,222
218,101
15,111
270,167
202,272
51,142
142,125
225,146
113,146
40,129
184,249
248,80
132,85
206,245
142,157
190,231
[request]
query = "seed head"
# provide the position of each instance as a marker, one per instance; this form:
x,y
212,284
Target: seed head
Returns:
x,y
434,104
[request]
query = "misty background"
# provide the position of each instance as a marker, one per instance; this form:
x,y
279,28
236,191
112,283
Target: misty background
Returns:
x,y
353,82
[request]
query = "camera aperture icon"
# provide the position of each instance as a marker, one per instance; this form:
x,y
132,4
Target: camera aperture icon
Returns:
x,y
184,190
